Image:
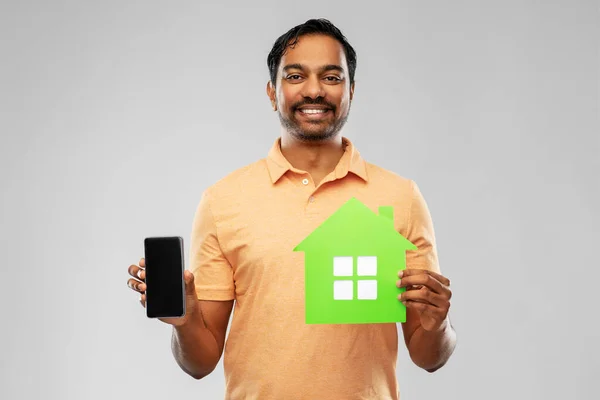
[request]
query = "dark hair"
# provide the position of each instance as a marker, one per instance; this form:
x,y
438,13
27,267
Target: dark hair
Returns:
x,y
312,26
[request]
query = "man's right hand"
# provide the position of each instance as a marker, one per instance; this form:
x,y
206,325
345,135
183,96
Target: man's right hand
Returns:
x,y
138,284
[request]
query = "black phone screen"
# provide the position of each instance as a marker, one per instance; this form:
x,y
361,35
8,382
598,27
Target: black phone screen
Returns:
x,y
165,287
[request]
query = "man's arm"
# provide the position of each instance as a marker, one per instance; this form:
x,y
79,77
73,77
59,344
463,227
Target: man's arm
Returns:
x,y
198,344
429,350
428,333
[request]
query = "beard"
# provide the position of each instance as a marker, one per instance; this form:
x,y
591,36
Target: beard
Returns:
x,y
321,131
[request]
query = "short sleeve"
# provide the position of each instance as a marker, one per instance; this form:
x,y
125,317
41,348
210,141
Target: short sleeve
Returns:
x,y
213,274
421,233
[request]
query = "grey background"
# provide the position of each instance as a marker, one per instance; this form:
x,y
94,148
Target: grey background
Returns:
x,y
116,115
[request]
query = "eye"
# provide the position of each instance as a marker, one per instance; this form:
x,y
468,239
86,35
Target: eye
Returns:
x,y
291,77
333,78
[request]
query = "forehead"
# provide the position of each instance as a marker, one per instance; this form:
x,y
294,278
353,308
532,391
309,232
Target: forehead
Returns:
x,y
314,51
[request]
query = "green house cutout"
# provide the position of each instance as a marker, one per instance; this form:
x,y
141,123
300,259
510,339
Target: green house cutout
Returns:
x,y
351,267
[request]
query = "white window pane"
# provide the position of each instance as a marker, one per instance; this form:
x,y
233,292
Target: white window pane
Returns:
x,y
342,290
367,290
367,266
342,266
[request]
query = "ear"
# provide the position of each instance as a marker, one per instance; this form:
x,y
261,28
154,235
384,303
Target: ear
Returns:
x,y
271,94
352,91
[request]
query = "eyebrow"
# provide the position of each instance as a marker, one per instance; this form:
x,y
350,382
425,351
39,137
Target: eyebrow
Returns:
x,y
325,68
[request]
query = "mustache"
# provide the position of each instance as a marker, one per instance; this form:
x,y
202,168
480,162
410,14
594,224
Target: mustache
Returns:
x,y
318,101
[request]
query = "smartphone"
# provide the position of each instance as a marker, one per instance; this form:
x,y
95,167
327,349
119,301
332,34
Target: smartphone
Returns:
x,y
165,286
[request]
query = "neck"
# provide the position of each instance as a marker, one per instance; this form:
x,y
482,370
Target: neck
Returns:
x,y
316,158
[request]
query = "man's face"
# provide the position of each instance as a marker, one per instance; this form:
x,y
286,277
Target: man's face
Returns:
x,y
313,90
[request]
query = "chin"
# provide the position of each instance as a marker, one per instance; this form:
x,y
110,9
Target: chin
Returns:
x,y
311,132
314,136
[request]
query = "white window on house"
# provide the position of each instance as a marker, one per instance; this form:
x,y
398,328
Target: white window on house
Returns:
x,y
366,267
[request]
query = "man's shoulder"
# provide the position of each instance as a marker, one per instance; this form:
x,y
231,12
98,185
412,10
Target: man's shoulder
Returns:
x,y
249,174
383,176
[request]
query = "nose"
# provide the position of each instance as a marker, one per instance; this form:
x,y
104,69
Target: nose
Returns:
x,y
313,88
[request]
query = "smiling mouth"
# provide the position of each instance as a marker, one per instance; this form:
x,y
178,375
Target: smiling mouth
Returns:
x,y
314,112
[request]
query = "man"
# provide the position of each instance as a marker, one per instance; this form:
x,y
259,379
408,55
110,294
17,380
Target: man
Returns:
x,y
247,224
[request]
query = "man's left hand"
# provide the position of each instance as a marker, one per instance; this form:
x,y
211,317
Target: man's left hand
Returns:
x,y
428,293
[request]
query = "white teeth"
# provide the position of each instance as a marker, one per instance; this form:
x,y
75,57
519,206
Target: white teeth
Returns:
x,y
312,111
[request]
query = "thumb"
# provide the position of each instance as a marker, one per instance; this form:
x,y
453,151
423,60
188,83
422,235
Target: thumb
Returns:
x,y
190,286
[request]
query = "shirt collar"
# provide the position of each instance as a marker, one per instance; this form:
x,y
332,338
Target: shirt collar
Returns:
x,y
351,161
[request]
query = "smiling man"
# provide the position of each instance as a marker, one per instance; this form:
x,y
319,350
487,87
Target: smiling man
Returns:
x,y
313,110
311,86
247,224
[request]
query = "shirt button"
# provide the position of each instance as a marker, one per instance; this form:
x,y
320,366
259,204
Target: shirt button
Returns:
x,y
305,181
311,199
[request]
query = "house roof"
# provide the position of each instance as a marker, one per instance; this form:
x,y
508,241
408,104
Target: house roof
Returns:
x,y
354,220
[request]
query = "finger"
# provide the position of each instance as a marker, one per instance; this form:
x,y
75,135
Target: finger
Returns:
x,y
423,280
190,286
136,285
416,271
423,296
143,300
411,287
426,309
142,262
136,272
